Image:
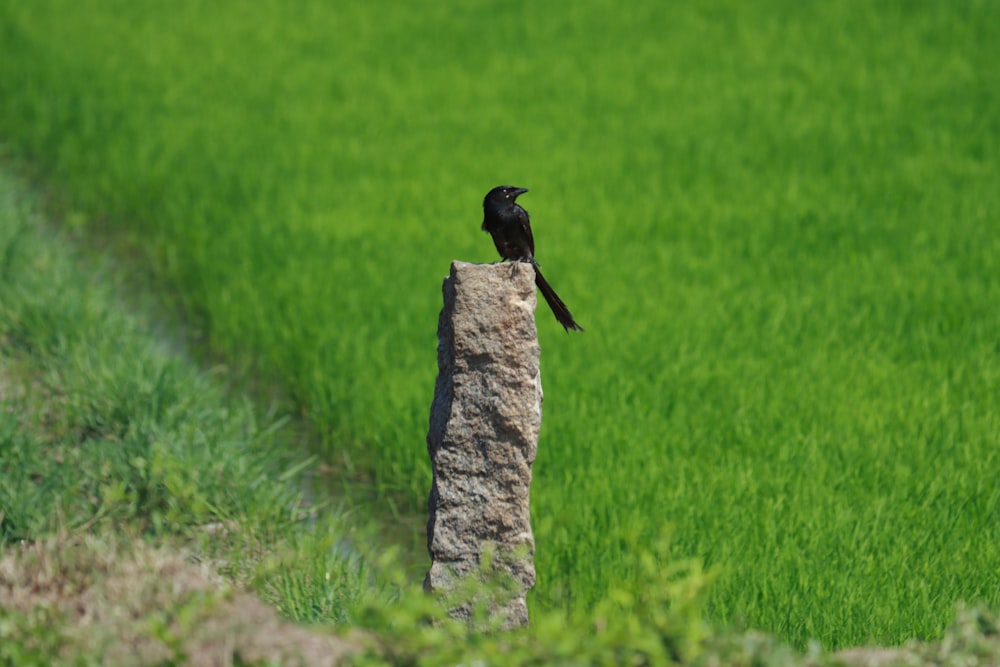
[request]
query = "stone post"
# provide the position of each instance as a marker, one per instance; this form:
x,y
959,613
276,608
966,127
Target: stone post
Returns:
x,y
483,436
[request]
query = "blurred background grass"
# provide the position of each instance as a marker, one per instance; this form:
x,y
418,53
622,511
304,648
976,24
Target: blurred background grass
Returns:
x,y
777,222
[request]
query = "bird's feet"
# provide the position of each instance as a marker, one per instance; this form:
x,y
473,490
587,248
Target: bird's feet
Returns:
x,y
515,264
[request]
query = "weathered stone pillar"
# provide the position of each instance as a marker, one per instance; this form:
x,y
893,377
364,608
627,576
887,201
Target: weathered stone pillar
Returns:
x,y
483,436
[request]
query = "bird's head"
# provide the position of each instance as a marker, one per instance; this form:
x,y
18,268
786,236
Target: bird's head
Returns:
x,y
502,195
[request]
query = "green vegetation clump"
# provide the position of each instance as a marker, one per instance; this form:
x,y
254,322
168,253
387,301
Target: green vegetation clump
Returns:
x,y
104,427
776,221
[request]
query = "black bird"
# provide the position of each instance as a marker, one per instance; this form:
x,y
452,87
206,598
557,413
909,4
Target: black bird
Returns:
x,y
510,228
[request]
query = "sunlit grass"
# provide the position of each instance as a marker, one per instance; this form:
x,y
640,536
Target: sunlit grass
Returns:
x,y
107,430
777,223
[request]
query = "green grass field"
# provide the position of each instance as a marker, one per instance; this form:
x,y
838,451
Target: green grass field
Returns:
x,y
110,433
149,515
777,221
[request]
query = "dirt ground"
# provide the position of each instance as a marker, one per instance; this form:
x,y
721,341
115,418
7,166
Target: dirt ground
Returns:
x,y
132,604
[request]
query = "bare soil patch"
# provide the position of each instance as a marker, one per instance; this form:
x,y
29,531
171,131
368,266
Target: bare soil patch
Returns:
x,y
130,603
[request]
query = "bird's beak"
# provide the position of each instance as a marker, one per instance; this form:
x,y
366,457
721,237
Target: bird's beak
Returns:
x,y
519,191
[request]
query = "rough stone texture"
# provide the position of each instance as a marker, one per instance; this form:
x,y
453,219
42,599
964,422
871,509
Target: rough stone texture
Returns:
x,y
483,437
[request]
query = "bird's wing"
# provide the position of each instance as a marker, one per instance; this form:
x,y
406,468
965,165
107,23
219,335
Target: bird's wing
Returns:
x,y
522,217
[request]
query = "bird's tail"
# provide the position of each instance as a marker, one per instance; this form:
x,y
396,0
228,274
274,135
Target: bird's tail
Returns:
x,y
559,308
